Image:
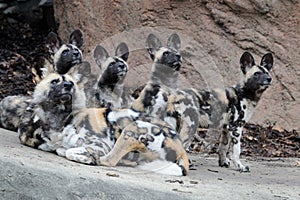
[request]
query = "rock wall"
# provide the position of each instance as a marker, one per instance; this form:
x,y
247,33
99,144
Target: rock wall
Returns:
x,y
214,34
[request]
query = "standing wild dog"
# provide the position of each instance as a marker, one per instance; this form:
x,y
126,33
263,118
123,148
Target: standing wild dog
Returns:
x,y
232,107
161,98
186,110
57,121
110,84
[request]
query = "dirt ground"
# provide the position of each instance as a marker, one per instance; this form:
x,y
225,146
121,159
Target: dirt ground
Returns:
x,y
27,173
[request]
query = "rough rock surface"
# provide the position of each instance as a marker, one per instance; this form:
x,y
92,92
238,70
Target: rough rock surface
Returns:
x,y
214,35
27,173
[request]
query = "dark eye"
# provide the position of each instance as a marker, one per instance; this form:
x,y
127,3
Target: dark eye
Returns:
x,y
54,82
111,64
257,73
64,52
166,53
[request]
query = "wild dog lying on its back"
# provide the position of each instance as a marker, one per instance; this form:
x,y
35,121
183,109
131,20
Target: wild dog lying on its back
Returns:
x,y
110,85
161,98
231,108
57,121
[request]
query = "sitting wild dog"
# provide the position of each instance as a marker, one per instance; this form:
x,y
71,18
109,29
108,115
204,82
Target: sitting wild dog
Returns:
x,y
63,55
161,98
110,85
230,108
57,121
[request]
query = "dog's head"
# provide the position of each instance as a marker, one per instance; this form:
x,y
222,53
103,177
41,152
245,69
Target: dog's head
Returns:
x,y
168,56
65,55
114,68
56,89
257,77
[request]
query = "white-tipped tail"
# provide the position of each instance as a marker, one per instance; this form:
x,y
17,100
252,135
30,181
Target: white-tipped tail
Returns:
x,y
162,167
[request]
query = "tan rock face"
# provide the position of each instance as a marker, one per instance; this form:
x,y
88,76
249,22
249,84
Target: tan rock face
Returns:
x,y
214,35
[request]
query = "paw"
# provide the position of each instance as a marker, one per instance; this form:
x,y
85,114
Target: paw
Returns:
x,y
243,168
183,170
127,163
225,163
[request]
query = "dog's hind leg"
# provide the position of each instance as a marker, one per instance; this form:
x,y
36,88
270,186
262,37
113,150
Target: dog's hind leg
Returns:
x,y
182,159
125,144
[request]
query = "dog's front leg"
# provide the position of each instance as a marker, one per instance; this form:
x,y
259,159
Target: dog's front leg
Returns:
x,y
125,144
236,150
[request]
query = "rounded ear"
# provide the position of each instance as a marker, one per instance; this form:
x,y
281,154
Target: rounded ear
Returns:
x,y
267,61
76,38
152,45
85,68
174,41
122,51
53,42
100,55
246,62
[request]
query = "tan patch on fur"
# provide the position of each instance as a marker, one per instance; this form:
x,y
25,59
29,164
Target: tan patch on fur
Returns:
x,y
124,145
181,155
159,53
221,95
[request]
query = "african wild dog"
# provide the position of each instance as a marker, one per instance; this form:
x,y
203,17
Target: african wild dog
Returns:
x,y
161,98
188,109
63,55
110,84
57,121
11,109
230,108
51,108
167,60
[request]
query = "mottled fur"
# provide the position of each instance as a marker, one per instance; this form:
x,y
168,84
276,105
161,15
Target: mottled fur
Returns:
x,y
11,109
57,121
65,57
161,98
188,109
50,110
230,108
110,84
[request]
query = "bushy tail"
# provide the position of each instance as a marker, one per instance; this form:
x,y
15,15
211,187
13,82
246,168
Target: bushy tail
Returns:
x,y
162,167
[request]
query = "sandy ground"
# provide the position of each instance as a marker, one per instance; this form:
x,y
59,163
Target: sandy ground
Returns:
x,y
27,173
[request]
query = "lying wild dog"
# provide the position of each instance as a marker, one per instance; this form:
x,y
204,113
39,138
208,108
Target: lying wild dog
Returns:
x,y
11,109
63,55
230,108
160,95
51,108
57,121
110,84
